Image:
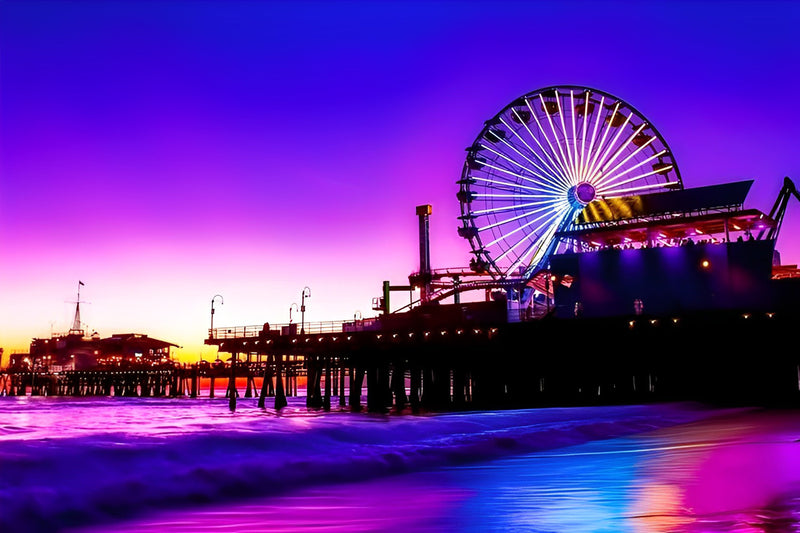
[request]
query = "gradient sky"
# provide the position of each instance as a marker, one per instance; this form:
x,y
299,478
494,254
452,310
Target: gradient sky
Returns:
x,y
164,152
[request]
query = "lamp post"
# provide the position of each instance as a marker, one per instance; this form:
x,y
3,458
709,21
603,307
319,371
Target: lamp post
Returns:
x,y
306,294
211,331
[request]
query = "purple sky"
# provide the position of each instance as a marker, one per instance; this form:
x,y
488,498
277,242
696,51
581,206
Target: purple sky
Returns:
x,y
164,152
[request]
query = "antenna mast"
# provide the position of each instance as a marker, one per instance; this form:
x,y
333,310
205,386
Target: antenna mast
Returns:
x,y
76,328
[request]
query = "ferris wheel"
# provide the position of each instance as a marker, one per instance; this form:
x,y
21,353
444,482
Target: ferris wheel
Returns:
x,y
539,161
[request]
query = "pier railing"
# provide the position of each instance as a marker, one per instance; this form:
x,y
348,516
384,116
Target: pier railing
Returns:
x,y
293,328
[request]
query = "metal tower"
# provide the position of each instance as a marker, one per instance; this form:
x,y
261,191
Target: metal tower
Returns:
x,y
76,328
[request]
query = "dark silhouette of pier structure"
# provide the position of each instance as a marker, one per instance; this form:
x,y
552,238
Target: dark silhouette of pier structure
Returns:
x,y
678,295
680,298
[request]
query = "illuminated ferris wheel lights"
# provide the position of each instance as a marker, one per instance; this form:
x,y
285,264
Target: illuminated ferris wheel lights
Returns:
x,y
590,149
597,164
515,195
610,178
563,160
630,156
636,190
504,185
572,160
510,233
555,175
562,171
520,165
546,205
542,159
538,248
583,136
511,173
602,141
544,219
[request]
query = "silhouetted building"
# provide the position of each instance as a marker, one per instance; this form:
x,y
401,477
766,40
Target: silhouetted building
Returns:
x,y
74,351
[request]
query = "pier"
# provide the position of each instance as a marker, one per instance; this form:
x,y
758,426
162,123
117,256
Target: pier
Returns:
x,y
418,365
652,292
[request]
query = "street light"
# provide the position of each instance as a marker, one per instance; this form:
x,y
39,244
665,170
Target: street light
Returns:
x,y
303,309
211,331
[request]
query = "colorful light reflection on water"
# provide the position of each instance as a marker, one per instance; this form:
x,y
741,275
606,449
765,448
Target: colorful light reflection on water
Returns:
x,y
739,472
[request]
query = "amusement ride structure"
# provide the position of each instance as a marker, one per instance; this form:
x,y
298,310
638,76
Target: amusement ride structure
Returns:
x,y
531,170
571,169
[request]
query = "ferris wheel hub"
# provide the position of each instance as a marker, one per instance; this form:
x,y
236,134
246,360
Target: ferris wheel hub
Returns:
x,y
581,194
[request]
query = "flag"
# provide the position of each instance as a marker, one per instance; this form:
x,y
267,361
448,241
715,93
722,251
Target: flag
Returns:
x,y
80,282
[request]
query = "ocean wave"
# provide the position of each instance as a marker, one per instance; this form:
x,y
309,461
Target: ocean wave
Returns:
x,y
60,483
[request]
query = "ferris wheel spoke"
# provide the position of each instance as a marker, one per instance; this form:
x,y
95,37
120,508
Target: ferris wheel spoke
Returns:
x,y
514,231
628,158
539,253
583,135
543,178
503,186
606,128
639,189
557,174
539,246
594,173
601,161
589,151
561,141
540,206
551,154
555,171
510,186
570,154
509,172
508,196
627,142
533,237
608,181
564,160
575,149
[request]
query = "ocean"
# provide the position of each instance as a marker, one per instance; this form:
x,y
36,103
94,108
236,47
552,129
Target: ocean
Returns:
x,y
91,465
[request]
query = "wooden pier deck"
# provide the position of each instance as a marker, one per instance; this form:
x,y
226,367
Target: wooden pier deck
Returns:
x,y
437,366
